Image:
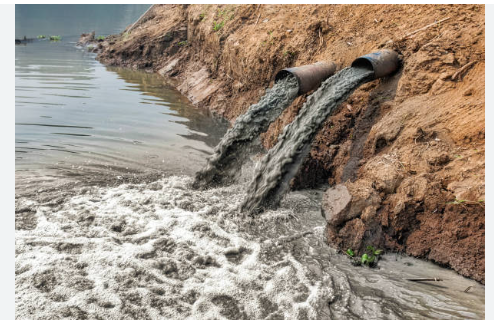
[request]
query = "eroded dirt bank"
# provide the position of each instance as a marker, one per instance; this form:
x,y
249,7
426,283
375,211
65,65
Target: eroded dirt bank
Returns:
x,y
404,155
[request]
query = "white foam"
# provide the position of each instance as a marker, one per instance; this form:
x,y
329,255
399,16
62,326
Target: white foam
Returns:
x,y
162,250
103,248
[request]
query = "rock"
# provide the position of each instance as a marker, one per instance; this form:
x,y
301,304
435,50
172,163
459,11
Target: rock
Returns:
x,y
335,204
344,202
363,196
383,171
449,59
438,159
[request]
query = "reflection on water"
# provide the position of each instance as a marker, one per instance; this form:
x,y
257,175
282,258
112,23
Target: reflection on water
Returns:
x,y
175,106
77,118
72,20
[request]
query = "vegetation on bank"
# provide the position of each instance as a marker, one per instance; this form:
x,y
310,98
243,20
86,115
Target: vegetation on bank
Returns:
x,y
369,258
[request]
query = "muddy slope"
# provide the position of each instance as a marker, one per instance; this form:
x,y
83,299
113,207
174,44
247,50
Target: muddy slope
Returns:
x,y
407,151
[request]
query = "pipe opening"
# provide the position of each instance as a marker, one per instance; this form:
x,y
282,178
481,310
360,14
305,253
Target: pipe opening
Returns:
x,y
382,62
363,63
282,74
309,77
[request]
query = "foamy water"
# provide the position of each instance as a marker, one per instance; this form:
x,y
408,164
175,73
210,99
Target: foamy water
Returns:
x,y
162,250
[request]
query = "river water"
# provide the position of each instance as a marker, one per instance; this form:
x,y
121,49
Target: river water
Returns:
x,y
108,226
77,119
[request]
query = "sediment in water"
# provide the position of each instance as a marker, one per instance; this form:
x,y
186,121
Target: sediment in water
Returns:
x,y
160,250
282,162
237,143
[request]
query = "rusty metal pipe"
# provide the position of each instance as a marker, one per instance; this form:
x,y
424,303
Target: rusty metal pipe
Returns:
x,y
309,77
382,62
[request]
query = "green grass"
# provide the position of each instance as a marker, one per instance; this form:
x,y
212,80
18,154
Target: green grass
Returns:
x,y
55,38
100,37
202,16
218,26
41,36
182,43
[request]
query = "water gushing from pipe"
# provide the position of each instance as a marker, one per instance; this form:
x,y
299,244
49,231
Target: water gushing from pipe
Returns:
x,y
235,145
282,162
238,142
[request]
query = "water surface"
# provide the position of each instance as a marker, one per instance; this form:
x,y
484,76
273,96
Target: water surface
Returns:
x,y
72,20
76,118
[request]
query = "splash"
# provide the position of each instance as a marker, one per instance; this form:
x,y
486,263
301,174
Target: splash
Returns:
x,y
230,153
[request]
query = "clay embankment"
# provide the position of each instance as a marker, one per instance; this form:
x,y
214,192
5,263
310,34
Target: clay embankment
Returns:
x,y
406,153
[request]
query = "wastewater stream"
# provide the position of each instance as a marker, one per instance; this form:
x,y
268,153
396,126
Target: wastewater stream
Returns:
x,y
282,162
241,140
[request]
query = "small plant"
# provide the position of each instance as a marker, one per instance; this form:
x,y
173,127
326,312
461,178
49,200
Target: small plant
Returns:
x,y
369,258
100,38
202,16
41,36
218,26
182,43
55,38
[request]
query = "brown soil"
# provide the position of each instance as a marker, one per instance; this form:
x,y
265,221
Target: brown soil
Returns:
x,y
408,148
